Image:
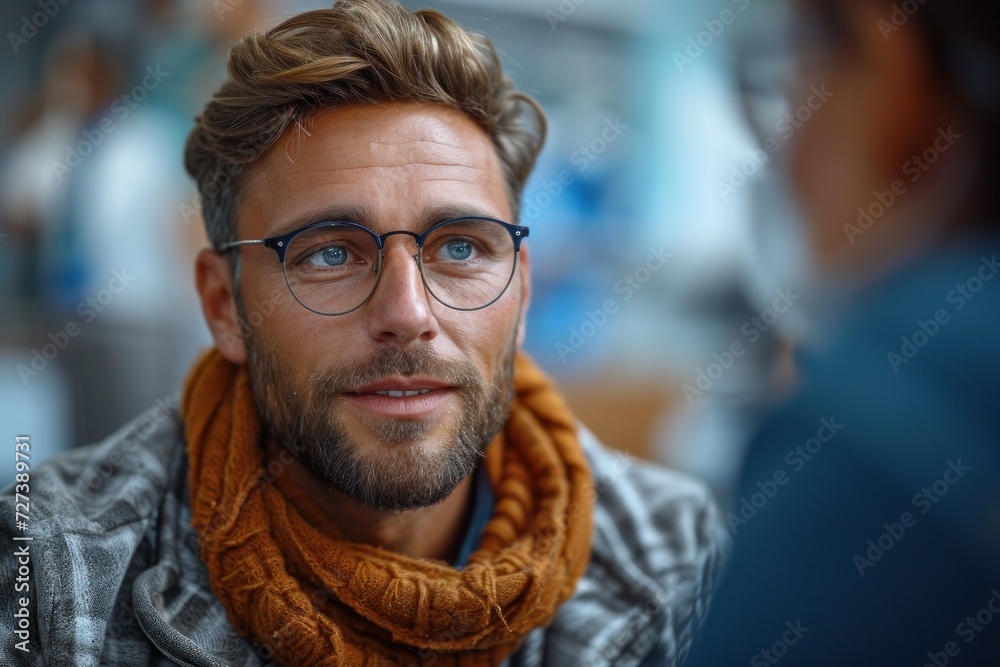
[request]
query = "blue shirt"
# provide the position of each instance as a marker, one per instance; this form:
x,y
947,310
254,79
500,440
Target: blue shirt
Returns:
x,y
867,524
482,510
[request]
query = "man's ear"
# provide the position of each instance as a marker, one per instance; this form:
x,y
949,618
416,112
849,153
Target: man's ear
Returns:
x,y
213,279
524,261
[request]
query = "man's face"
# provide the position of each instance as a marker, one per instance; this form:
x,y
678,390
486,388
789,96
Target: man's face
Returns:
x,y
328,387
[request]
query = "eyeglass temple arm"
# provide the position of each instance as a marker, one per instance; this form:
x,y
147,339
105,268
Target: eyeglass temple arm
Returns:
x,y
226,247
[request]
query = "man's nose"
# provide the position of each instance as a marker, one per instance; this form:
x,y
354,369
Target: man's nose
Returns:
x,y
400,309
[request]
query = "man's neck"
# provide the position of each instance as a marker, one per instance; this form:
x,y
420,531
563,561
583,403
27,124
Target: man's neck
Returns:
x,y
435,532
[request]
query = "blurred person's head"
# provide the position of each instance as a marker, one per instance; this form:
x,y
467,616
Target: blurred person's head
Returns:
x,y
390,372
903,149
79,73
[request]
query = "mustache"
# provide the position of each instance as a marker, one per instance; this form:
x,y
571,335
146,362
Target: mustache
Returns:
x,y
393,361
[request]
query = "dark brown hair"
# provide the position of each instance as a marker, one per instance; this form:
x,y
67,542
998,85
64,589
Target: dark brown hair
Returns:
x,y
357,52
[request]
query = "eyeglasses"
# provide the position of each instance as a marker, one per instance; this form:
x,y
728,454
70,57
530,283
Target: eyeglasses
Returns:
x,y
333,268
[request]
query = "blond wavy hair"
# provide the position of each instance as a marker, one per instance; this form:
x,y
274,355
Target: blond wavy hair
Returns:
x,y
356,52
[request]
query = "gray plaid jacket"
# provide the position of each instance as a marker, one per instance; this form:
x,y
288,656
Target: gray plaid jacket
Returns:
x,y
114,576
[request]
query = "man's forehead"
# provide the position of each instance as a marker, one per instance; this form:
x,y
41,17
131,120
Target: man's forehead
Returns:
x,y
390,135
363,153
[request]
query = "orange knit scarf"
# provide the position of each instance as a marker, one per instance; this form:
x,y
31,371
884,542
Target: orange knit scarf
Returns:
x,y
314,600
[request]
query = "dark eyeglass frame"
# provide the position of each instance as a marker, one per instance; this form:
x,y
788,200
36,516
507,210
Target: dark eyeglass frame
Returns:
x,y
280,245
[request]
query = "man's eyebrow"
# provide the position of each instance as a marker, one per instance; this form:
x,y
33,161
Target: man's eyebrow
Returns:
x,y
363,215
441,213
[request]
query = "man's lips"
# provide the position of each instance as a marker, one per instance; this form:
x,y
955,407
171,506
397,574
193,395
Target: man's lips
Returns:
x,y
400,387
401,397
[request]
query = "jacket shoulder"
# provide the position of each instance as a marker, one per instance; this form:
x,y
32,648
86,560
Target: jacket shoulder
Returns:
x,y
101,486
656,518
89,518
658,546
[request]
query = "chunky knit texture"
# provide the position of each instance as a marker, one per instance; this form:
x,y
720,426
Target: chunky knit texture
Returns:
x,y
319,600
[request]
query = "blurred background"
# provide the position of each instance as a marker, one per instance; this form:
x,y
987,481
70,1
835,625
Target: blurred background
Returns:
x,y
665,266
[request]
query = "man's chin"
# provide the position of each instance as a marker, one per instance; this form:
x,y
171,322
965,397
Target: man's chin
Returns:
x,y
366,433
391,463
406,481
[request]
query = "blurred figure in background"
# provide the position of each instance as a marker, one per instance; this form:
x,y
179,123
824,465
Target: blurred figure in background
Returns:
x,y
77,80
138,219
98,213
43,263
867,522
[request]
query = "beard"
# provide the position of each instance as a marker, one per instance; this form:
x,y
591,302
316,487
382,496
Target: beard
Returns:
x,y
404,471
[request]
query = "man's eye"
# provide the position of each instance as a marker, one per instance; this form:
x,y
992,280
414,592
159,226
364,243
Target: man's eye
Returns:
x,y
331,256
459,250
